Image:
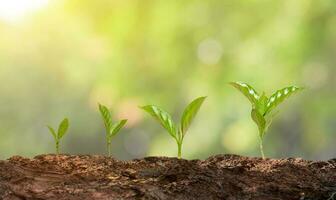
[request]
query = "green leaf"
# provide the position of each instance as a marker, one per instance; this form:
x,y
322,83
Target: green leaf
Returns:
x,y
190,113
53,132
163,117
63,127
106,115
116,127
260,121
261,105
248,91
279,96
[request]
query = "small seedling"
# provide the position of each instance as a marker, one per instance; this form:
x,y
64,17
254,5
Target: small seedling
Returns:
x,y
62,129
177,132
111,129
263,108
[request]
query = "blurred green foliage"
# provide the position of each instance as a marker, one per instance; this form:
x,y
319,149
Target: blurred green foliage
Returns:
x,y
70,54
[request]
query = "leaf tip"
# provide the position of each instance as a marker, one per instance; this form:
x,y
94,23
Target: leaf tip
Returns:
x,y
141,107
231,83
146,107
238,84
101,106
202,98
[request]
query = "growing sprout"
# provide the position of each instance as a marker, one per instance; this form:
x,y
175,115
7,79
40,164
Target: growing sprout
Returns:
x,y
111,129
176,131
263,107
62,129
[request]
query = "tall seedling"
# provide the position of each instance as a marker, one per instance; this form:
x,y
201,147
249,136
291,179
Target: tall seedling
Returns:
x,y
176,131
111,129
263,107
62,129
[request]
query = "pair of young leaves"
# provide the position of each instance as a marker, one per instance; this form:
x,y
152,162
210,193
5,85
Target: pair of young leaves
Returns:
x,y
263,107
111,129
62,129
176,131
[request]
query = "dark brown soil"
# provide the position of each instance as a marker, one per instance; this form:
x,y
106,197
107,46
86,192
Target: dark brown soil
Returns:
x,y
228,177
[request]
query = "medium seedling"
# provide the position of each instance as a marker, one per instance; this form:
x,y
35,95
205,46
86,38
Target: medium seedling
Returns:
x,y
111,129
62,129
263,107
176,131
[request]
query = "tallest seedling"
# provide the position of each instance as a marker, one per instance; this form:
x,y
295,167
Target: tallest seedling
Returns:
x,y
176,131
263,107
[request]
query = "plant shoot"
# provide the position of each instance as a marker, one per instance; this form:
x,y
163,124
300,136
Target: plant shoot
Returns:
x,y
263,107
176,131
62,129
111,129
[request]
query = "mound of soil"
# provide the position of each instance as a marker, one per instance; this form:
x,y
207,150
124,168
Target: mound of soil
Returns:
x,y
228,177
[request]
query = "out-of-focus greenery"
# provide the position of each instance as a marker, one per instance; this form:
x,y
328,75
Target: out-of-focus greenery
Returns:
x,y
65,57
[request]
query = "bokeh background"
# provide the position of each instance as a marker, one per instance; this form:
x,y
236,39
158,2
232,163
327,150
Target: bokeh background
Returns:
x,y
61,57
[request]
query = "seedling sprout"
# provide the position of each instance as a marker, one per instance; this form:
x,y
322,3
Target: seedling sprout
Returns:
x,y
111,129
263,107
62,129
176,131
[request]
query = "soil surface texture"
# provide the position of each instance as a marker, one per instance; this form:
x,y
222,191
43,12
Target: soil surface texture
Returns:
x,y
228,177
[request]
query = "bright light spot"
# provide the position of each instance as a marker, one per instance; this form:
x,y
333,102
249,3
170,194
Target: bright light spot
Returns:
x,y
14,10
243,84
286,91
209,51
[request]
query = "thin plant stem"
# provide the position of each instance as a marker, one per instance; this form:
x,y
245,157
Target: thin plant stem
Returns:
x,y
57,147
179,150
109,149
261,148
179,142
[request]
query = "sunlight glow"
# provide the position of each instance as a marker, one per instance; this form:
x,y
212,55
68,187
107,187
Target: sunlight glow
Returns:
x,y
14,10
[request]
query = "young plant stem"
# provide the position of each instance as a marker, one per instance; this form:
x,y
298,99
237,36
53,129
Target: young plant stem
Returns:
x,y
179,141
179,150
57,147
108,148
261,148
